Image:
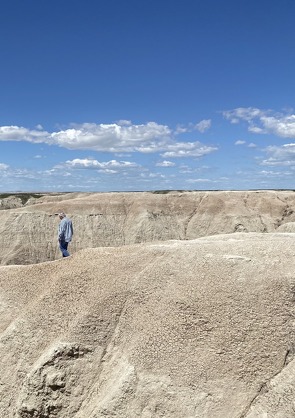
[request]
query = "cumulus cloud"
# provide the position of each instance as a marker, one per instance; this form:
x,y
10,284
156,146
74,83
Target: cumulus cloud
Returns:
x,y
203,126
283,126
181,129
3,166
100,137
108,171
152,175
187,149
123,122
280,156
120,137
242,113
18,133
250,145
94,164
165,163
264,121
113,137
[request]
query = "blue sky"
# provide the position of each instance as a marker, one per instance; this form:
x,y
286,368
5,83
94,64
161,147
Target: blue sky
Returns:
x,y
146,95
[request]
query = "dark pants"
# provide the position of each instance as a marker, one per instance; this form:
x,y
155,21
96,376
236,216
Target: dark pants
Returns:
x,y
63,246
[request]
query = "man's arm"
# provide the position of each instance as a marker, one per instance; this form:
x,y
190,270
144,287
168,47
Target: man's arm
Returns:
x,y
61,230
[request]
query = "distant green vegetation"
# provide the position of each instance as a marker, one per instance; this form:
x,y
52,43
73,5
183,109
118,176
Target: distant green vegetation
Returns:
x,y
24,197
168,191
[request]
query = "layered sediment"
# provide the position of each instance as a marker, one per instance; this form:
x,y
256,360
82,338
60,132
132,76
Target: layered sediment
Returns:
x,y
114,219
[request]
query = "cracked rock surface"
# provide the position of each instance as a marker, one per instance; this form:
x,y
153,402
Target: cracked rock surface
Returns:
x,y
191,328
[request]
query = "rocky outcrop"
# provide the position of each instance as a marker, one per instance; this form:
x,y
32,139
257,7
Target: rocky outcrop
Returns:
x,y
195,328
18,200
28,234
10,202
287,227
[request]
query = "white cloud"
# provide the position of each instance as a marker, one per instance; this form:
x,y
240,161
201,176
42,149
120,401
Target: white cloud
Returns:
x,y
264,121
114,138
18,133
124,154
256,130
204,125
185,169
165,163
283,126
242,113
108,171
200,181
187,149
3,166
119,137
250,145
16,173
101,137
94,164
152,175
181,129
280,156
272,173
124,122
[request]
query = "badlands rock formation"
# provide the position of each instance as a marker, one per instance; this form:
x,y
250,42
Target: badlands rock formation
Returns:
x,y
28,233
176,329
177,305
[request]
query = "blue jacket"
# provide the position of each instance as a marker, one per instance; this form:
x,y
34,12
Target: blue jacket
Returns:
x,y
65,230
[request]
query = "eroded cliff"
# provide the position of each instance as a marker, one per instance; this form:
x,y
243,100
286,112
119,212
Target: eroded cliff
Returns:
x,y
28,233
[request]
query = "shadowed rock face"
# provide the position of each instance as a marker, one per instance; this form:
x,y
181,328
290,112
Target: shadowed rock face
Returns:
x,y
29,233
199,328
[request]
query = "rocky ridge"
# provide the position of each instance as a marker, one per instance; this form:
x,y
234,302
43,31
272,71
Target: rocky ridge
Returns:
x,y
115,219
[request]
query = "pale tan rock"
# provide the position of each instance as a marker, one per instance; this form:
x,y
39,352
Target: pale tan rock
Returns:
x,y
287,227
195,328
29,234
10,202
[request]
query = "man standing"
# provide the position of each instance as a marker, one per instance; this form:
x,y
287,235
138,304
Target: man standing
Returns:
x,y
65,233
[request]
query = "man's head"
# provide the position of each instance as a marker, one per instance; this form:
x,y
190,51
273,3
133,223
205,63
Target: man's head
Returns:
x,y
61,215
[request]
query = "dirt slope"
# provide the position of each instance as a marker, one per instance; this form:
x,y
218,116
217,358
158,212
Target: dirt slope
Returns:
x,y
200,328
